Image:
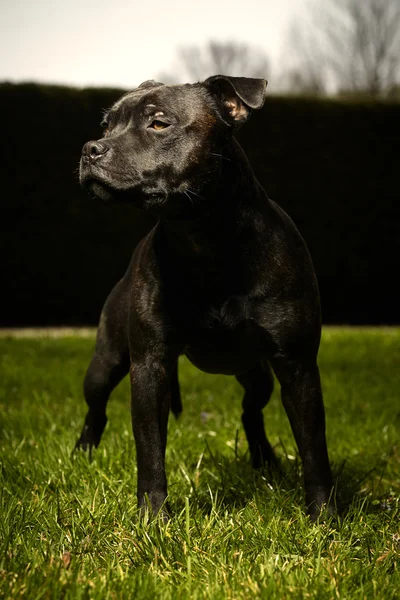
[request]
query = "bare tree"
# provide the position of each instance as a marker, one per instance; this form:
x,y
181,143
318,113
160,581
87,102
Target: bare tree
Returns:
x,y
348,45
195,63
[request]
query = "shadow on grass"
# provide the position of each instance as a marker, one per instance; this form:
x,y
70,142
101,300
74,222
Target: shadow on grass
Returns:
x,y
231,482
363,481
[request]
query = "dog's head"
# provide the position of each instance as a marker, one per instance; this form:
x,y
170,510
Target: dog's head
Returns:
x,y
164,141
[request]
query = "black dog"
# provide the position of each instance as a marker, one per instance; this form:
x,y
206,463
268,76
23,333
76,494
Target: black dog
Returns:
x,y
224,278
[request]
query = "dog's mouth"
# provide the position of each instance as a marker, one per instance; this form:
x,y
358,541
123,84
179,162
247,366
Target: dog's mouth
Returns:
x,y
100,183
98,188
101,190
110,194
182,203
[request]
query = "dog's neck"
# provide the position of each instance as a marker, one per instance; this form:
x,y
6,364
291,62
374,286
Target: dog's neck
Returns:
x,y
225,203
232,214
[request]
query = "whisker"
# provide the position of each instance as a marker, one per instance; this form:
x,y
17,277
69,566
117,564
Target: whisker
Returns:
x,y
220,156
191,200
195,194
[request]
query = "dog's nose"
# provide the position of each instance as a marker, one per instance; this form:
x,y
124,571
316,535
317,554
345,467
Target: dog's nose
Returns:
x,y
91,151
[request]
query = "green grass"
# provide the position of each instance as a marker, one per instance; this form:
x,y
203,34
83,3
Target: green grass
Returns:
x,y
69,526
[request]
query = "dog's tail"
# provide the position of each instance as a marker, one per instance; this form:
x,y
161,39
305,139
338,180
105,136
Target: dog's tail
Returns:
x,y
175,391
176,405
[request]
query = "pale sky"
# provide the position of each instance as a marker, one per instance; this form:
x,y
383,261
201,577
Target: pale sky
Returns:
x,y
121,43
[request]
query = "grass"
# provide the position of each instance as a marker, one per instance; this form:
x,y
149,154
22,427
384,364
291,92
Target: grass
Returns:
x,y
69,526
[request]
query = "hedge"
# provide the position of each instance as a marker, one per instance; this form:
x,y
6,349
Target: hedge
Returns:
x,y
332,164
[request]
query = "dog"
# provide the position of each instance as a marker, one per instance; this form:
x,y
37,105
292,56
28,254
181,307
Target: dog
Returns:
x,y
224,278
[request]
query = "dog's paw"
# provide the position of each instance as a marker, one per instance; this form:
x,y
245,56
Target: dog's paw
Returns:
x,y
319,513
266,461
91,433
154,506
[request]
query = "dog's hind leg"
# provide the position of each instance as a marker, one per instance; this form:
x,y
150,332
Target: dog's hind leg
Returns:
x,y
302,398
258,385
109,365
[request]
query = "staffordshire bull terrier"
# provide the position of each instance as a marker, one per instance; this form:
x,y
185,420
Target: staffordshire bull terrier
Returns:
x,y
224,278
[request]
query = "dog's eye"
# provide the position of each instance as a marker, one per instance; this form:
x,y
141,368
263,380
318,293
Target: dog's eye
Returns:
x,y
104,126
158,125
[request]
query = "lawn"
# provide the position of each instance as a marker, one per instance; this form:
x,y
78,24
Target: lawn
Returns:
x,y
69,526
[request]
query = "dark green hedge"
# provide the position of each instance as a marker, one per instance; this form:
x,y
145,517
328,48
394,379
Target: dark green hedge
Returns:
x,y
333,165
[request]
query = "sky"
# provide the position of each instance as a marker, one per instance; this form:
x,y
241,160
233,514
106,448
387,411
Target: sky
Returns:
x,y
120,43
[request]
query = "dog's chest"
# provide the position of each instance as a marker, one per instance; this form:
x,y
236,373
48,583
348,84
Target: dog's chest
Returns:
x,y
225,339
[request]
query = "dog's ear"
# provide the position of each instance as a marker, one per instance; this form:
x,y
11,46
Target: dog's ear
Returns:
x,y
150,83
237,96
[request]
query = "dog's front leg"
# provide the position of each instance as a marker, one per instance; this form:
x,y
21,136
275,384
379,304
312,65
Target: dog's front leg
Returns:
x,y
302,399
150,406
